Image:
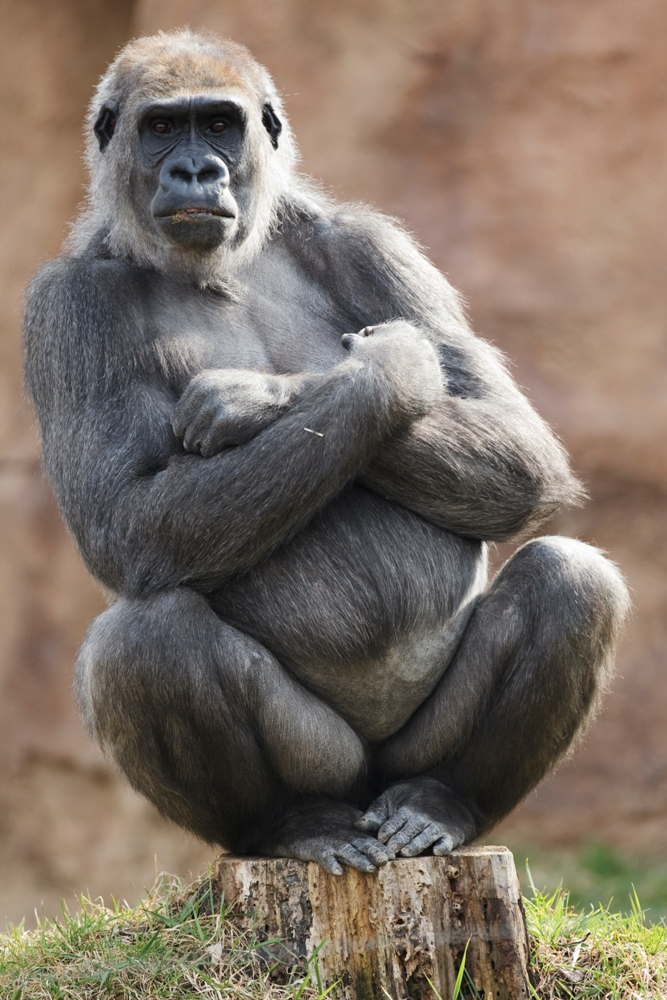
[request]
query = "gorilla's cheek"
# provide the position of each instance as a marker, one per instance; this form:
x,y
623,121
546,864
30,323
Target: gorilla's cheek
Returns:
x,y
142,188
247,200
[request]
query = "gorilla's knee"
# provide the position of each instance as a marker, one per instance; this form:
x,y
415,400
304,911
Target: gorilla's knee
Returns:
x,y
575,602
120,659
575,581
98,666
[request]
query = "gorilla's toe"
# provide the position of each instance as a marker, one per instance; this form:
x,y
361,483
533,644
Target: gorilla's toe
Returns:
x,y
418,815
327,833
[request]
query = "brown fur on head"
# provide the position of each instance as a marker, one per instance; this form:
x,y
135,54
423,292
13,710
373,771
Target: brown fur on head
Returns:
x,y
171,65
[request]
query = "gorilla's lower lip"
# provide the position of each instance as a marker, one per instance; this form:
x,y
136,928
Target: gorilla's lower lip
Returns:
x,y
184,213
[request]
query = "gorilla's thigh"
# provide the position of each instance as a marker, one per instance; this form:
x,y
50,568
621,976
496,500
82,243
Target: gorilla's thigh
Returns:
x,y
524,680
204,720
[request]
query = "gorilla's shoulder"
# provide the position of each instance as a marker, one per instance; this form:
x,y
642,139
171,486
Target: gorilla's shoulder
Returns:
x,y
81,270
330,235
316,216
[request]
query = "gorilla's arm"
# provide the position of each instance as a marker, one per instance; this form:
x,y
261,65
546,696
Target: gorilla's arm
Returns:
x,y
486,467
147,515
481,463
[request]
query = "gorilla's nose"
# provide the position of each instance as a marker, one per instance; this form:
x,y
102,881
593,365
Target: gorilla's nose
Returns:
x,y
195,177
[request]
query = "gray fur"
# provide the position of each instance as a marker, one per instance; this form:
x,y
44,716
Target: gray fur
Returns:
x,y
283,452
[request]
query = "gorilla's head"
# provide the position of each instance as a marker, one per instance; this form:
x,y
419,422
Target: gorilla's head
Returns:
x,y
188,153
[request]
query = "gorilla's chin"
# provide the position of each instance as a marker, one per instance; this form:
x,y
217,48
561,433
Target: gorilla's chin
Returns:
x,y
198,231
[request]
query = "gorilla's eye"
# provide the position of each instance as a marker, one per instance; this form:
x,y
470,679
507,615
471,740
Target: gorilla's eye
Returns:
x,y
161,127
219,125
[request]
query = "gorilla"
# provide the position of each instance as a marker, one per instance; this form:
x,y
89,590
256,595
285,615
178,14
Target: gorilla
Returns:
x,y
282,453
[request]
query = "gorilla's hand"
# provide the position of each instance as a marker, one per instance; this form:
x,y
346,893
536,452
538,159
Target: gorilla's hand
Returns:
x,y
408,361
418,815
224,407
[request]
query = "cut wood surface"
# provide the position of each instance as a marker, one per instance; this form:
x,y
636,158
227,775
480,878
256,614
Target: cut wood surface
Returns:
x,y
393,931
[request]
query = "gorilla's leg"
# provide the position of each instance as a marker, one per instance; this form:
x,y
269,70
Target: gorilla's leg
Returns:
x,y
533,661
208,725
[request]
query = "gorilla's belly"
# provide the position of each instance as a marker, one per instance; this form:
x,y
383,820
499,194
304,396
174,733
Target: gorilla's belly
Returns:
x,y
366,607
378,695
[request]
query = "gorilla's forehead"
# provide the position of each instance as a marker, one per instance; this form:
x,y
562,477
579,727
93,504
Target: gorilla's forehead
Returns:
x,y
194,102
174,72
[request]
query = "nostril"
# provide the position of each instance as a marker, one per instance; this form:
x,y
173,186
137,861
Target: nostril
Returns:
x,y
180,174
208,174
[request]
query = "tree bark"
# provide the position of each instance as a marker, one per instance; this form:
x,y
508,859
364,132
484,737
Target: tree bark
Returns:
x,y
394,931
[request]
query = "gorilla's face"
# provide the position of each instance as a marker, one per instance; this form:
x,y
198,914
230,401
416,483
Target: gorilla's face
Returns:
x,y
189,173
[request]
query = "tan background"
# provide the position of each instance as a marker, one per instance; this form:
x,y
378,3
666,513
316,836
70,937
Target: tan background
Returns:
x,y
525,142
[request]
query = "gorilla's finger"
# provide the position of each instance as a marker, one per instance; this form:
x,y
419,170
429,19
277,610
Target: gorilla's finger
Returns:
x,y
215,440
444,846
430,835
188,406
348,340
178,424
207,447
329,863
351,856
407,833
377,852
374,816
369,823
394,823
197,429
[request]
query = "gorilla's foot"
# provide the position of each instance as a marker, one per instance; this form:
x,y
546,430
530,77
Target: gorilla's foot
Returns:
x,y
325,832
418,815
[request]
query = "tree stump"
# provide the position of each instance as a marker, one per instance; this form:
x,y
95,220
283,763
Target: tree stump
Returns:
x,y
393,931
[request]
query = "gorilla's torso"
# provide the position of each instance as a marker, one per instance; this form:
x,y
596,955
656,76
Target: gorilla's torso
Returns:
x,y
367,586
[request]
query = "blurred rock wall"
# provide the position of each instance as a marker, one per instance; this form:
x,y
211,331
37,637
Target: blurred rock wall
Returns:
x,y
67,823
524,142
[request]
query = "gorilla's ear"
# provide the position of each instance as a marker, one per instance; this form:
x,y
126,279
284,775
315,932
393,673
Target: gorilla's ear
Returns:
x,y
105,125
272,124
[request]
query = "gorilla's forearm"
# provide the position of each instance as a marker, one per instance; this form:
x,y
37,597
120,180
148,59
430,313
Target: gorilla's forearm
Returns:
x,y
476,467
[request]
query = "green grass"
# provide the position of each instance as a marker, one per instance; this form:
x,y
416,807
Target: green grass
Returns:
x,y
178,943
597,874
595,953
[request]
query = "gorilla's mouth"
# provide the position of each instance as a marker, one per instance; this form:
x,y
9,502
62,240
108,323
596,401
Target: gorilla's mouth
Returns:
x,y
184,213
199,227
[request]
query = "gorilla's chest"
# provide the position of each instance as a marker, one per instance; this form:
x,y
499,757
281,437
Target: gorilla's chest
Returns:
x,y
275,322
